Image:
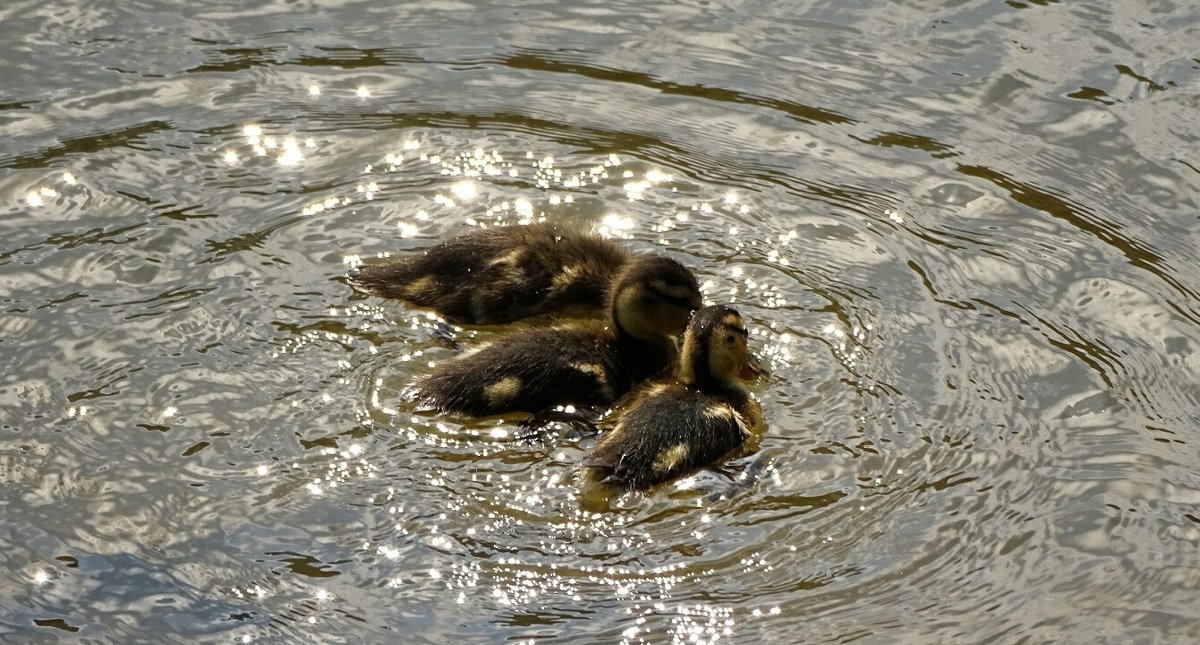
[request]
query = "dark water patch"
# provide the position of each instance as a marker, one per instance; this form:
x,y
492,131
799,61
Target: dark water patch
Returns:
x,y
126,136
542,62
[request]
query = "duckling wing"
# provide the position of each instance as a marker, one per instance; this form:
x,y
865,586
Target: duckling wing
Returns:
x,y
670,431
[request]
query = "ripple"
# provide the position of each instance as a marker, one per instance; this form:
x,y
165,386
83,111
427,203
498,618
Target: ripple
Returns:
x,y
967,265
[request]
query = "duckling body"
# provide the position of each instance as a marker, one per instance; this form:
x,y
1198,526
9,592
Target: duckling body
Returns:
x,y
584,363
503,274
701,414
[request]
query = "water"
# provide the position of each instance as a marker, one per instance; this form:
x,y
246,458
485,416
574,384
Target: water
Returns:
x,y
964,235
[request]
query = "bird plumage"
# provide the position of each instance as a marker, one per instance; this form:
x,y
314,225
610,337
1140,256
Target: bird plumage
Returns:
x,y
580,363
701,413
501,274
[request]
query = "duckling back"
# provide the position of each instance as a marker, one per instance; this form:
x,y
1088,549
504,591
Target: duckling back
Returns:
x,y
502,274
670,430
530,371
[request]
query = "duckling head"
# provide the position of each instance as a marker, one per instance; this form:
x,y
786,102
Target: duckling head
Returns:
x,y
715,350
653,297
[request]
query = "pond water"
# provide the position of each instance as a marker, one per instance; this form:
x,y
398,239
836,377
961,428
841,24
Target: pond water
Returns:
x,y
964,234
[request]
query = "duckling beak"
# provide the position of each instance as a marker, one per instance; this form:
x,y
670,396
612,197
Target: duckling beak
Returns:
x,y
752,369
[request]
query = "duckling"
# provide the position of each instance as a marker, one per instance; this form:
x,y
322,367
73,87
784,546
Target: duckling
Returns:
x,y
584,363
502,274
702,413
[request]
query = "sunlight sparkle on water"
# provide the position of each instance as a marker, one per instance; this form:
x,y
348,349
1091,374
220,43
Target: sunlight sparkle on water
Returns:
x,y
657,177
45,192
314,90
367,190
465,190
41,577
362,92
614,225
523,207
318,207
291,154
231,157
701,624
636,190
69,178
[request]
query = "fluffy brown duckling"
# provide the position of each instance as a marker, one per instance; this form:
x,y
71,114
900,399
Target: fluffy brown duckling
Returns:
x,y
583,363
502,274
673,426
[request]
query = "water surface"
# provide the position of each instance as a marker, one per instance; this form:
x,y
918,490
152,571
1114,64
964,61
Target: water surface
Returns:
x,y
964,235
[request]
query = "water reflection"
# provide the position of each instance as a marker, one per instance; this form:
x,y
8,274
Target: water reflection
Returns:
x,y
983,364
